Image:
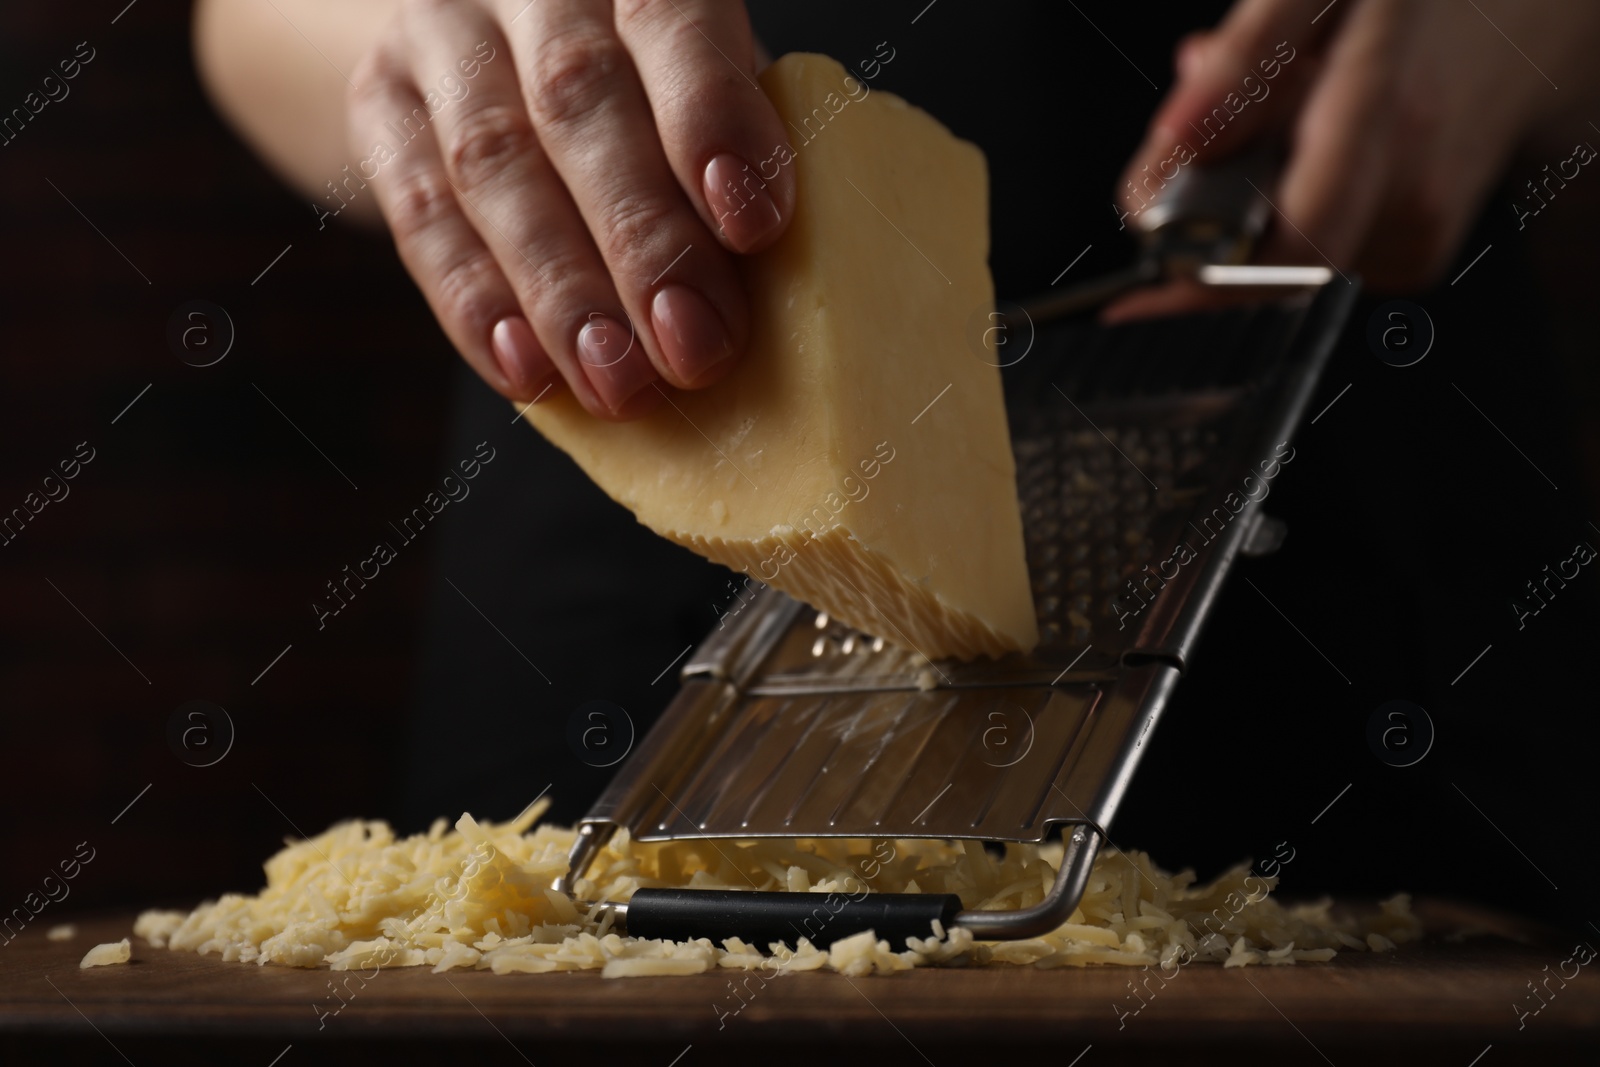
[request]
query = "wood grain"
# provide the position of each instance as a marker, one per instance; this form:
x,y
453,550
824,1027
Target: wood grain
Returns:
x,y
1453,998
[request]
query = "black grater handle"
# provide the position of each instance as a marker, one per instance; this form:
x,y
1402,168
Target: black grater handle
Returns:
x,y
762,918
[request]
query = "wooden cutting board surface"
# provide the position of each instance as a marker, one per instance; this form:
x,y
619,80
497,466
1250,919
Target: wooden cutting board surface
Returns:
x,y
1452,997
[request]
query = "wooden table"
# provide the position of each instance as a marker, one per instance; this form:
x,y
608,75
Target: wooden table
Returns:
x,y
1442,1002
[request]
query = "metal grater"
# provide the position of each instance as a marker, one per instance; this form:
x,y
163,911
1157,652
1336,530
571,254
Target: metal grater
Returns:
x,y
789,724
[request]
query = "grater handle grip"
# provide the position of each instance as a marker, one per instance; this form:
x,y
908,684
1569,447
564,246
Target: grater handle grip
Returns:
x,y
761,918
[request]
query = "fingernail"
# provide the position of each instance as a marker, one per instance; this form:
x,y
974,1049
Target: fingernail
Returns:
x,y
522,359
740,202
691,333
613,360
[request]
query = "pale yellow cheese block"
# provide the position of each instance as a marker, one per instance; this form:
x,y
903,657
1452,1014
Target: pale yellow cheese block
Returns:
x,y
819,466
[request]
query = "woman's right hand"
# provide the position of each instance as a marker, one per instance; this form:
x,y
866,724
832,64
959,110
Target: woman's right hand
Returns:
x,y
569,181
1399,116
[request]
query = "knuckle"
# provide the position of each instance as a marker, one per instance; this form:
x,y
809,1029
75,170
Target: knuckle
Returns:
x,y
486,142
559,307
635,11
373,78
668,23
688,98
416,203
564,269
463,293
368,73
572,73
632,229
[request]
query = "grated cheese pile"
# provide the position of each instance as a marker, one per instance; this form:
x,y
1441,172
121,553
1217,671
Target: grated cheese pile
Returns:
x,y
357,897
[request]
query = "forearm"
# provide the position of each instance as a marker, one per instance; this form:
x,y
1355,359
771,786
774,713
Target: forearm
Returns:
x,y
277,70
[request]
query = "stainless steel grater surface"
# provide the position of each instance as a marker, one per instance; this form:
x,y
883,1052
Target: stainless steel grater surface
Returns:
x,y
1128,440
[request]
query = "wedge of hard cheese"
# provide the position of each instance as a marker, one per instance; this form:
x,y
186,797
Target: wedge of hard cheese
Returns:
x,y
858,458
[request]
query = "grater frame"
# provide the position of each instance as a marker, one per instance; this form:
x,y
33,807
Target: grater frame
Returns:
x,y
787,721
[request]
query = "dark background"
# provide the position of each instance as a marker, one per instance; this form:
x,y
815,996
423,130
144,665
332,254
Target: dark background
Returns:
x,y
206,525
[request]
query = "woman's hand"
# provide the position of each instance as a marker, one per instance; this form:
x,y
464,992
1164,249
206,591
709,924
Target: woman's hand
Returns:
x,y
568,182
1399,115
